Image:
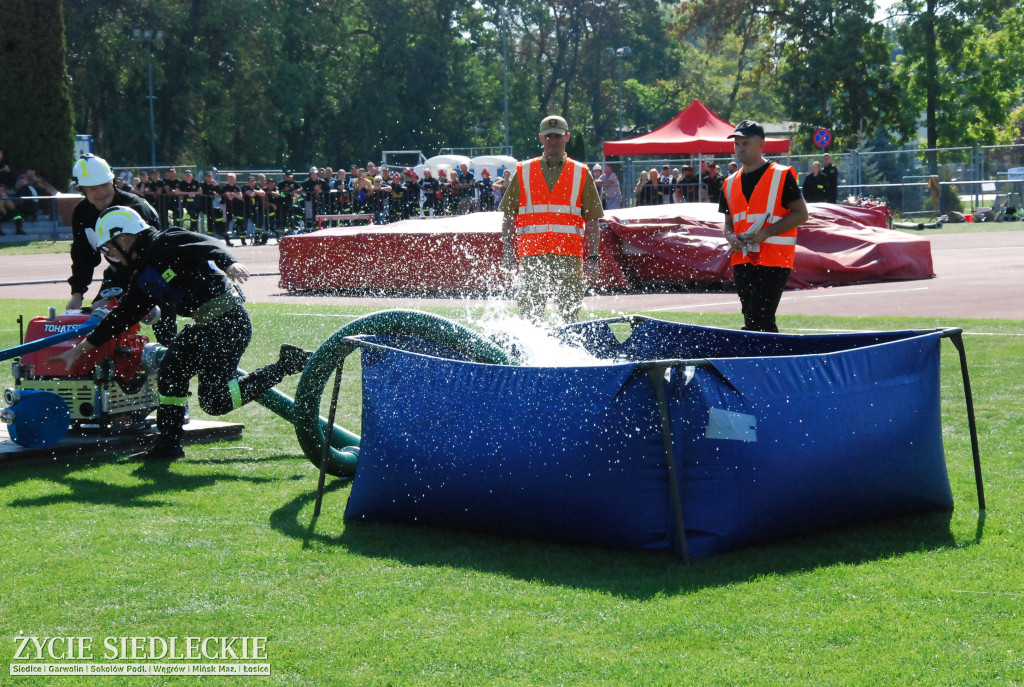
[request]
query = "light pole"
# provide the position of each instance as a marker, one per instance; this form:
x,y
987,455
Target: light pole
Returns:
x,y
149,36
620,54
504,52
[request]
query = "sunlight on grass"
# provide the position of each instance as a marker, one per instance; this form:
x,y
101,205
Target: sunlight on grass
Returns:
x,y
220,544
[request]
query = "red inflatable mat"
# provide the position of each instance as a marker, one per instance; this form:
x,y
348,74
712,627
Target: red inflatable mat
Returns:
x,y
436,255
838,245
645,245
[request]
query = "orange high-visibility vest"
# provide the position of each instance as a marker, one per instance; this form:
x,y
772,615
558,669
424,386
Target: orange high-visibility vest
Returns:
x,y
550,221
765,202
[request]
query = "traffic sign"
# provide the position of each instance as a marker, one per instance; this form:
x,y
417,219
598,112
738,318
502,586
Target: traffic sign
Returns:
x,y
822,137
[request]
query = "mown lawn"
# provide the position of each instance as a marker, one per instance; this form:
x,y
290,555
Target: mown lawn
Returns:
x,y
220,544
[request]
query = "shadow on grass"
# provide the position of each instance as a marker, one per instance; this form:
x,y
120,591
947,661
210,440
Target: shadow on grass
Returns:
x,y
157,478
629,574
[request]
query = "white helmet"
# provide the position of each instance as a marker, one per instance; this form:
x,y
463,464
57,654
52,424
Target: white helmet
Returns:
x,y
113,221
90,170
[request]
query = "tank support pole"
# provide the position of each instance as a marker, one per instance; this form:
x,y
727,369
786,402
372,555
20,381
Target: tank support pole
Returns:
x,y
956,337
657,375
325,454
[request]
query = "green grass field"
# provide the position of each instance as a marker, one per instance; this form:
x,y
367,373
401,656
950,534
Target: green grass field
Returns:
x,y
220,544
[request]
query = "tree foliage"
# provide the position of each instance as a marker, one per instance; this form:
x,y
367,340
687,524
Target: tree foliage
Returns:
x,y
733,54
274,83
37,120
838,74
962,64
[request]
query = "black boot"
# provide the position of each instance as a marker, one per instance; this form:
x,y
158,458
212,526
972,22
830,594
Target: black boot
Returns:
x,y
292,359
169,421
162,449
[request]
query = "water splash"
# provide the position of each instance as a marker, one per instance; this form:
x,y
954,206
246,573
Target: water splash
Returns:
x,y
532,344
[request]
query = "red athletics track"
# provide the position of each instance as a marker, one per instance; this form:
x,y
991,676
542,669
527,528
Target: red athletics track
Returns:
x,y
979,275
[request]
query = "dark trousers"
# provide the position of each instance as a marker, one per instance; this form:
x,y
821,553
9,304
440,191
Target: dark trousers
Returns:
x,y
211,352
760,290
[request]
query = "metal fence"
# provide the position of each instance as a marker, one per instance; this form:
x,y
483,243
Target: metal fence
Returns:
x,y
969,177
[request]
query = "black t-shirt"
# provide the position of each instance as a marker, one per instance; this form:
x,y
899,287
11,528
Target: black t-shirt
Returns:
x,y
832,183
467,181
714,184
189,186
790,188
234,203
250,193
210,189
170,184
430,187
311,186
816,188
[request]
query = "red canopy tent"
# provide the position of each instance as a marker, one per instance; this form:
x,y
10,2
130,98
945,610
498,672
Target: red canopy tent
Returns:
x,y
696,130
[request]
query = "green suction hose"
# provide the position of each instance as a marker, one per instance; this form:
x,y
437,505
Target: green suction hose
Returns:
x,y
310,428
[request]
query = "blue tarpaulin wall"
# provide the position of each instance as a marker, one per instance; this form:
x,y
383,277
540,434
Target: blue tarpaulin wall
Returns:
x,y
772,435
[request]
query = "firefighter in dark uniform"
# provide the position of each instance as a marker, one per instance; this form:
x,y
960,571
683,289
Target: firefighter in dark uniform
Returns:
x,y
287,189
315,190
254,212
272,208
486,191
154,188
96,181
234,204
174,269
187,190
431,194
410,194
171,199
210,205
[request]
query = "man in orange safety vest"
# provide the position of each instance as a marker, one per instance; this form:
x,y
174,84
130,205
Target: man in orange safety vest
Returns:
x,y
550,227
763,207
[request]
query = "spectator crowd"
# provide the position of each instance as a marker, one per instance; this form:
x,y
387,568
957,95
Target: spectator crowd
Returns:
x,y
19,195
681,184
264,207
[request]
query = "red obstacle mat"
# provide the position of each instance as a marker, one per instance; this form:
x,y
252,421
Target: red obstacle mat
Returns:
x,y
639,246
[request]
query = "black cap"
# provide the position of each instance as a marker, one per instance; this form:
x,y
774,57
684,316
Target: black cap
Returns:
x,y
748,128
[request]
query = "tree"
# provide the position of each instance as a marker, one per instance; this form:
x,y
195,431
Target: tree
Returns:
x,y
732,48
962,65
37,130
838,74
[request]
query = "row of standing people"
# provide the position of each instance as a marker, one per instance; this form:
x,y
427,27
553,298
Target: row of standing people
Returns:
x,y
264,207
681,185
